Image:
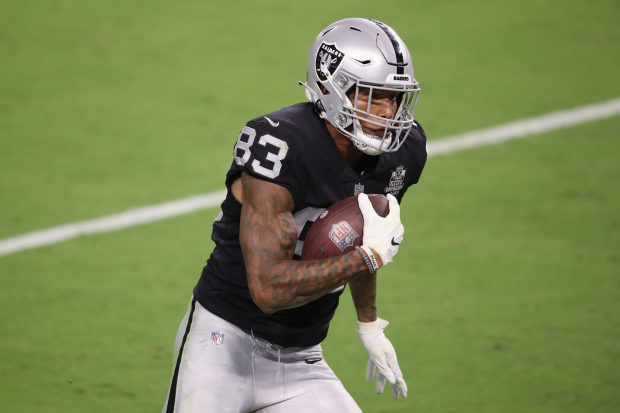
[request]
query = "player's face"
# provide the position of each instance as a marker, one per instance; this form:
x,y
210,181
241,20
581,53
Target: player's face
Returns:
x,y
382,104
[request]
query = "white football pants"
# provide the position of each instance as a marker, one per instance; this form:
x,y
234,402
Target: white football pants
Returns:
x,y
221,368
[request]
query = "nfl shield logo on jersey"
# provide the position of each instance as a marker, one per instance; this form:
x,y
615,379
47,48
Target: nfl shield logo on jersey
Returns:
x,y
342,235
217,337
359,188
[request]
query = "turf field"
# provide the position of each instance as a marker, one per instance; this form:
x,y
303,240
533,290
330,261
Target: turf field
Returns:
x,y
505,296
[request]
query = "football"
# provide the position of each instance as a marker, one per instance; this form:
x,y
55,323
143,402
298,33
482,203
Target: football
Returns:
x,y
340,228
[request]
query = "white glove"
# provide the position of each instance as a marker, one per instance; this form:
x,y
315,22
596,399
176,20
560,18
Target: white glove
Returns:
x,y
382,235
381,357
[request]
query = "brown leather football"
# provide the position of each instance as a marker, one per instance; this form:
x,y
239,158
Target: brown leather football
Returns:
x,y
340,228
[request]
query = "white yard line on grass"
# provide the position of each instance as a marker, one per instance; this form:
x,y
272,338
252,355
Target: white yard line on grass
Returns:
x,y
108,223
144,215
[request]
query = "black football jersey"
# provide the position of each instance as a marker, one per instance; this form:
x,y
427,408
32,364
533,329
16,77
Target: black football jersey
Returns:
x,y
292,148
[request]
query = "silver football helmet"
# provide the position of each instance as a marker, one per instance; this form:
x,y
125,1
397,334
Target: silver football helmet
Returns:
x,y
362,55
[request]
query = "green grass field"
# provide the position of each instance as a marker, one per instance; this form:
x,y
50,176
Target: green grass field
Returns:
x,y
505,296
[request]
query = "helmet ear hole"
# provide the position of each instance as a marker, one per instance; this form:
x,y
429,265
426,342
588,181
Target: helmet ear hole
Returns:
x,y
322,88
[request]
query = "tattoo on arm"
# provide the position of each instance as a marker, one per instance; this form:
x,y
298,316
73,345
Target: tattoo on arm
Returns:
x,y
268,235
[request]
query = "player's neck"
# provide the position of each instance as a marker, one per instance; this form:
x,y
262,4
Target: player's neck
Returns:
x,y
351,154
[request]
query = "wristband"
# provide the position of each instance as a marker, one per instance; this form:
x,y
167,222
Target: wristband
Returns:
x,y
366,259
369,258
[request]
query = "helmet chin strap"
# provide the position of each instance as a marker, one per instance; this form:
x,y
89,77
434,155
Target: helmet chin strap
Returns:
x,y
365,148
365,142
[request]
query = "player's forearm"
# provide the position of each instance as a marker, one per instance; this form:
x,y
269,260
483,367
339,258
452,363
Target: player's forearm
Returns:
x,y
286,283
364,293
268,236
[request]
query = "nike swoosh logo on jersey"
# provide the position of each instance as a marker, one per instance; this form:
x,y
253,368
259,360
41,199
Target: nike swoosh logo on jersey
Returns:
x,y
272,123
394,242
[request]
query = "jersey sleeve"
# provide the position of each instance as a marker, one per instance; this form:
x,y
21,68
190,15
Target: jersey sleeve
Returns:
x,y
415,157
419,154
269,153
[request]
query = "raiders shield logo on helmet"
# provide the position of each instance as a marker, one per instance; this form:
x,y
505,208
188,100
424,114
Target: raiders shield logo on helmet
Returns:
x,y
327,60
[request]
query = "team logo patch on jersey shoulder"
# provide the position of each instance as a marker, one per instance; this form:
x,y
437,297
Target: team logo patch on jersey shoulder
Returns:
x,y
397,181
327,60
343,235
217,337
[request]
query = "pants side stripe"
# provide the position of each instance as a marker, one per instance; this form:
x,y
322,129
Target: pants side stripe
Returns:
x,y
173,385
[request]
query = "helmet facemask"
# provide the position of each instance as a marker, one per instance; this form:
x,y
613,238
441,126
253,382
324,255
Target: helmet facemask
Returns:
x,y
392,132
357,56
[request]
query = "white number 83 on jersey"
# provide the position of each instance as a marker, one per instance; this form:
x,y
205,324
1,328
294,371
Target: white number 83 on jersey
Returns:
x,y
242,152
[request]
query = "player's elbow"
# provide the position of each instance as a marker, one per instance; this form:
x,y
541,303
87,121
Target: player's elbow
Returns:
x,y
263,301
261,294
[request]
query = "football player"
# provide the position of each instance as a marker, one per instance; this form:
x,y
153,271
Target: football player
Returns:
x,y
250,341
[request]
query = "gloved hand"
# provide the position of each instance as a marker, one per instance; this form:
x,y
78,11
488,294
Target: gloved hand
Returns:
x,y
382,357
381,235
